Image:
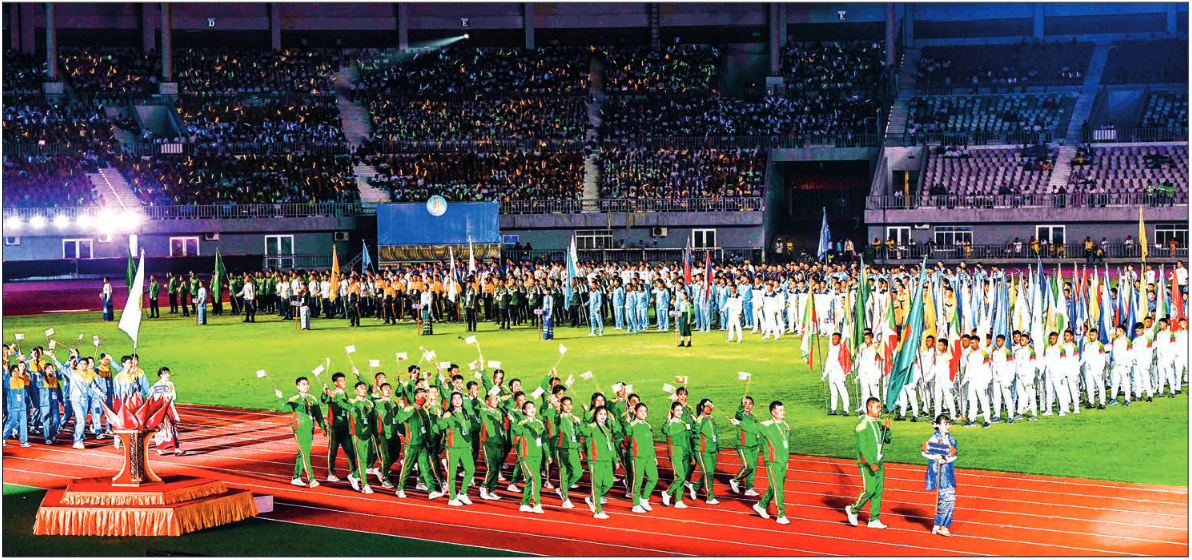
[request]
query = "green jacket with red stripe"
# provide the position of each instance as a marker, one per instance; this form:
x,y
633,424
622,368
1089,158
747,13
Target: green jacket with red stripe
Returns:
x,y
599,443
362,417
492,427
705,439
456,429
307,413
748,439
387,409
776,436
641,440
678,436
337,413
531,438
566,434
418,424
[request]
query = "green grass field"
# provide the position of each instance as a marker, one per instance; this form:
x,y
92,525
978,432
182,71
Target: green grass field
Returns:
x,y
216,364
246,538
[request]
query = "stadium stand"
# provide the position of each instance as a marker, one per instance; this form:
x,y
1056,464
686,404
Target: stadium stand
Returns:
x,y
399,120
1166,109
492,176
54,181
676,69
1116,172
960,172
1147,62
248,179
254,71
227,122
504,72
23,73
1006,66
1036,113
111,72
839,65
832,113
69,126
682,173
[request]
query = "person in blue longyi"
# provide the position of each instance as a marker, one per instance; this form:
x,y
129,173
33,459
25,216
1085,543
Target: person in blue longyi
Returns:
x,y
941,474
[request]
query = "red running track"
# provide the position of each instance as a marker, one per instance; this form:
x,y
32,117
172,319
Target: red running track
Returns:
x,y
996,513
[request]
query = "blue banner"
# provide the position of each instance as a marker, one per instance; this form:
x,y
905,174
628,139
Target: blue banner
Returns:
x,y
463,222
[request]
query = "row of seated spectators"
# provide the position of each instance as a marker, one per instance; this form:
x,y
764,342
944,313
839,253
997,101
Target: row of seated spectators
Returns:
x,y
1005,65
833,65
255,71
681,173
211,122
250,179
1128,169
23,73
53,181
501,72
1147,62
396,120
676,68
494,176
989,113
112,72
1166,109
76,126
960,171
831,113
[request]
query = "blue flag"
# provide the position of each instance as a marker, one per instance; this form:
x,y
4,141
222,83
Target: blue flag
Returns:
x,y
825,238
570,274
365,261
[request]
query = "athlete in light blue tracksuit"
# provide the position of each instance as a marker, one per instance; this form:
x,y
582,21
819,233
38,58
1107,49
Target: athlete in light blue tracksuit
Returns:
x,y
630,309
746,303
595,299
722,304
662,307
643,307
618,304
696,293
709,299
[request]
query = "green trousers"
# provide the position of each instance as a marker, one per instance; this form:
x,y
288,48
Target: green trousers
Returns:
x,y
707,467
776,473
748,473
875,483
302,461
531,467
362,451
602,481
570,469
680,462
644,468
493,458
417,455
388,450
339,437
463,459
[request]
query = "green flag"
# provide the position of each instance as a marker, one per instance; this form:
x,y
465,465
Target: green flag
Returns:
x,y
908,347
858,326
217,278
131,271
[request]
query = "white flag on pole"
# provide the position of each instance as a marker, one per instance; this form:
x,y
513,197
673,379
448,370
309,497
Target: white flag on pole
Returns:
x,y
261,373
130,319
470,340
350,349
49,333
374,363
401,356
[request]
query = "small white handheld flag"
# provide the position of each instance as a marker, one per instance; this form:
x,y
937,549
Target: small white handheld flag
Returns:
x,y
617,387
94,339
680,379
562,349
537,393
668,388
53,344
496,390
20,336
261,373
743,376
629,388
317,371
374,363
570,381
350,349
586,375
429,356
470,340
494,364
49,333
444,365
401,356
472,366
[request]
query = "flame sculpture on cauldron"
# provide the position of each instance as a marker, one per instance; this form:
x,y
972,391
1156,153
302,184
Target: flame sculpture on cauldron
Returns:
x,y
134,421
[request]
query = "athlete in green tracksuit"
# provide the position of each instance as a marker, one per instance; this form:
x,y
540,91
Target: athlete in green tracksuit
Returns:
x,y
747,449
307,415
455,426
362,421
600,446
678,443
492,441
387,442
567,446
645,461
775,433
530,434
417,429
514,414
706,447
339,435
871,436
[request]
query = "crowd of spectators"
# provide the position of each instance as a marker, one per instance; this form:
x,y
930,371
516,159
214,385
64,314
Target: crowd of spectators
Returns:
x,y
675,69
682,173
837,65
989,113
23,73
255,71
74,126
249,179
499,72
832,113
474,176
54,181
113,72
1147,62
397,120
1006,66
211,123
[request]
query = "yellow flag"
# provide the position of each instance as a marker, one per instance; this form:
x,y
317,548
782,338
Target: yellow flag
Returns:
x,y
1142,234
334,275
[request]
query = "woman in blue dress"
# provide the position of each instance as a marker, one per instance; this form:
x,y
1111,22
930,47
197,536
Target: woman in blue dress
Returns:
x,y
940,473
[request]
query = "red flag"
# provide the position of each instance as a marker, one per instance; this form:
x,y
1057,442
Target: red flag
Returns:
x,y
846,360
707,275
687,263
954,365
1177,298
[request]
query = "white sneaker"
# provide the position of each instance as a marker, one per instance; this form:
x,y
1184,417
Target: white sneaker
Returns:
x,y
313,484
367,490
666,499
401,494
355,482
455,502
513,487
603,501
568,505
713,502
537,509
732,483
601,515
373,471
297,482
680,505
876,524
559,493
526,508
761,511
420,487
78,445
691,490
574,486
852,515
645,505
434,495
752,492
783,521
591,506
386,484
332,478
638,509
381,478
464,498
547,485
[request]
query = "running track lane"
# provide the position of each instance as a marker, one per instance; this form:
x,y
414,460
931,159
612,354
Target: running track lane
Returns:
x,y
253,450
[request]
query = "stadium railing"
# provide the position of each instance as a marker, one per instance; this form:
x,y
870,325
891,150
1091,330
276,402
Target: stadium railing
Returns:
x,y
527,144
1174,134
736,204
240,148
1070,200
987,88
1066,252
970,137
784,141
